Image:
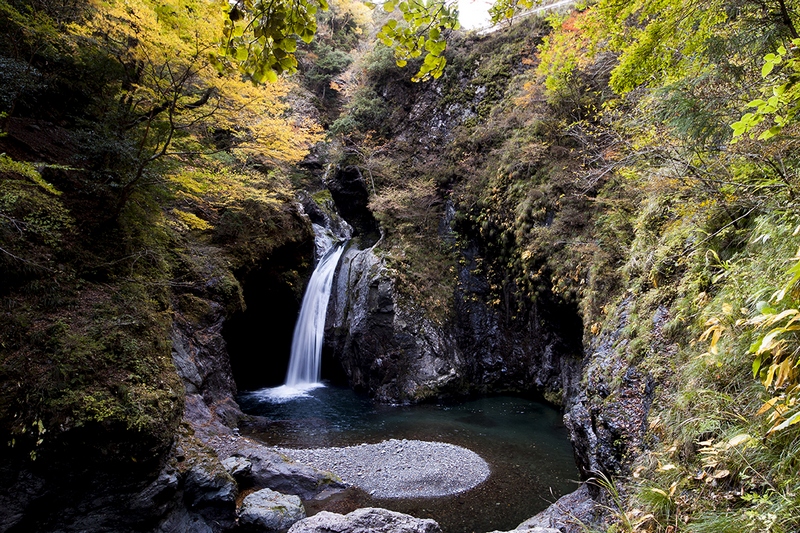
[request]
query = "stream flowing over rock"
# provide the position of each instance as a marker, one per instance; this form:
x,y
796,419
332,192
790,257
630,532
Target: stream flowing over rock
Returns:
x,y
386,343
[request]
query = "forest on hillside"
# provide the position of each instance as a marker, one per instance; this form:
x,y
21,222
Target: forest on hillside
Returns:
x,y
626,169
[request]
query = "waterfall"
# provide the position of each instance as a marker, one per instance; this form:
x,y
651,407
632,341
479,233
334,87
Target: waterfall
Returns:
x,y
304,364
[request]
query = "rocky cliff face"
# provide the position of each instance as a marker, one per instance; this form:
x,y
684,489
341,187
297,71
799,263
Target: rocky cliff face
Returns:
x,y
538,351
392,350
607,419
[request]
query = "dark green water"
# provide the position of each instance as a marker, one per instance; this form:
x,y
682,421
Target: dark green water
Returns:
x,y
523,441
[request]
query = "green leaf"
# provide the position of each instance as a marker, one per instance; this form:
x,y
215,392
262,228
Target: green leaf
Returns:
x,y
389,6
307,35
258,77
770,133
756,363
289,45
766,69
241,53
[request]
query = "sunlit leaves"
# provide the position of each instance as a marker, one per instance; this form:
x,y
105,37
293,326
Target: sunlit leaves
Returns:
x,y
780,96
777,354
659,40
260,36
506,9
564,52
178,90
419,33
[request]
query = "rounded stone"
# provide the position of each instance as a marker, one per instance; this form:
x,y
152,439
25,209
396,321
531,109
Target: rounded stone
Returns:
x,y
271,510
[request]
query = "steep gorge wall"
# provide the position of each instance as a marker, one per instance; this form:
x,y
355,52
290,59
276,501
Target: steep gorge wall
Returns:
x,y
395,352
393,336
522,281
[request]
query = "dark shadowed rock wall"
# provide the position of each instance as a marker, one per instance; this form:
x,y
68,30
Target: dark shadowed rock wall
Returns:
x,y
393,351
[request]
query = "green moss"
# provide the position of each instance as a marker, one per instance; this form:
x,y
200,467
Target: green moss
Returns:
x,y
26,170
195,309
322,198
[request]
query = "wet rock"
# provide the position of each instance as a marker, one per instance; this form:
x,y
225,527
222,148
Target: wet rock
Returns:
x,y
202,362
272,470
367,520
159,494
18,489
572,513
391,351
270,510
211,492
607,420
538,349
351,195
238,467
184,521
206,486
325,217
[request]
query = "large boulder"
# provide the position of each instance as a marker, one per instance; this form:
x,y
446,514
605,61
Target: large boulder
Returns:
x,y
367,520
390,350
270,469
572,513
269,510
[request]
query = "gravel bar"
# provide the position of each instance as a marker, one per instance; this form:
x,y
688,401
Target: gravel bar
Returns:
x,y
400,468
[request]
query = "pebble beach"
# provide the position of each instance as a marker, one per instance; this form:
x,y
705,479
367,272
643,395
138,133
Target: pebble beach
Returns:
x,y
400,468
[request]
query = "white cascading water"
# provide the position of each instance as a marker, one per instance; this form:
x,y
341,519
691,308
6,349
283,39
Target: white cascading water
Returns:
x,y
304,363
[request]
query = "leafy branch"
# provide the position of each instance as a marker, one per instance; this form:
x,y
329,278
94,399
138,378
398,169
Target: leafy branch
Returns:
x,y
780,99
260,37
424,31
